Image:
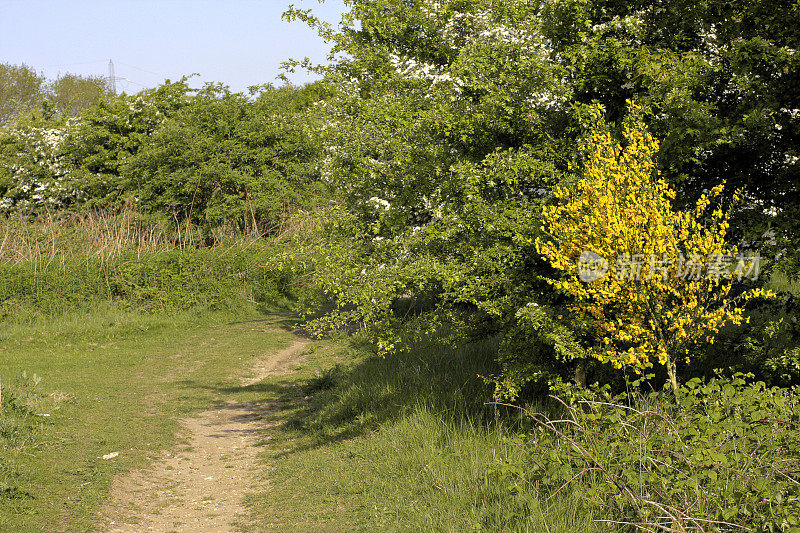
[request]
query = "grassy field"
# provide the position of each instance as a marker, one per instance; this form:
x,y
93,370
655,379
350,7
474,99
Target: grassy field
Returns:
x,y
108,339
361,442
111,333
111,381
398,444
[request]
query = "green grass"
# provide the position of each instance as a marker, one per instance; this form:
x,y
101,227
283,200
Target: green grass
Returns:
x,y
361,443
128,378
398,444
52,267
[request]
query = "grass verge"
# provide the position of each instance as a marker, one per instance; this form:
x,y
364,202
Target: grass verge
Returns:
x,y
397,444
128,378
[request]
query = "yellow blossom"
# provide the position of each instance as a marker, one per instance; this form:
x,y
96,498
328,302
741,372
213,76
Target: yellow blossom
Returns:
x,y
623,208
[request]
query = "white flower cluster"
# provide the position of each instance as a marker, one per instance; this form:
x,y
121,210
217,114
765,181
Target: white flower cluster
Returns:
x,y
380,203
711,47
794,114
632,25
412,69
144,110
462,32
546,99
38,174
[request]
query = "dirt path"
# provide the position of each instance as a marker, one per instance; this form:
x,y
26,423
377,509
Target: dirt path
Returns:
x,y
199,486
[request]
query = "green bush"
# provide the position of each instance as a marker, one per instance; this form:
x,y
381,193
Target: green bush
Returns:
x,y
226,159
170,280
768,346
214,158
713,456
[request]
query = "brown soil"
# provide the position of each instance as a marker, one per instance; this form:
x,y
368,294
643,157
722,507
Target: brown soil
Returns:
x,y
200,486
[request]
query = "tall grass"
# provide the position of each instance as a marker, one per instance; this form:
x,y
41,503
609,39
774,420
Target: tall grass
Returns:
x,y
59,262
404,443
56,236
53,238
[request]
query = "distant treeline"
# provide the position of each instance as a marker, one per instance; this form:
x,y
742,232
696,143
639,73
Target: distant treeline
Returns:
x,y
209,157
23,89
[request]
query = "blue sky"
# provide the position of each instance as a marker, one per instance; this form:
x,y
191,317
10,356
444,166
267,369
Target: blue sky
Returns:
x,y
237,42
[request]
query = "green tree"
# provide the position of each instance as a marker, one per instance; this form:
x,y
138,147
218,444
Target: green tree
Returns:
x,y
455,119
442,140
720,80
110,133
21,89
226,158
69,94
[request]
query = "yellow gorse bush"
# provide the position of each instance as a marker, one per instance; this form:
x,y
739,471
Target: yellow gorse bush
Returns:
x,y
662,277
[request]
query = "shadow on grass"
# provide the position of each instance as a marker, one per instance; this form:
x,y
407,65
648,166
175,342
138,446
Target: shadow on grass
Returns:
x,y
285,321
439,443
352,399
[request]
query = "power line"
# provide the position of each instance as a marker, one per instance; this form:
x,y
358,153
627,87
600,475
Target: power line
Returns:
x,y
144,70
113,78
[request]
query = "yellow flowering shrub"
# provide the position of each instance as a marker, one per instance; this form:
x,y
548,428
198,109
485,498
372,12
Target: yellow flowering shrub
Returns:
x,y
647,281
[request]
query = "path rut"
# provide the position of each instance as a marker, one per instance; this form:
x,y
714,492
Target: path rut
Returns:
x,y
200,486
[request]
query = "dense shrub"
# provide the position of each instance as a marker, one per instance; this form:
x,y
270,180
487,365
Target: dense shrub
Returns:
x,y
768,346
226,159
50,162
209,156
171,280
714,455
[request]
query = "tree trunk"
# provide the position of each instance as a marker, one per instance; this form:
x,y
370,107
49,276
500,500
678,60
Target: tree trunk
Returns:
x,y
673,374
580,373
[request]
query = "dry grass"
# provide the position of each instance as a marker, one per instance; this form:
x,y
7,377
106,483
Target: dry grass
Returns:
x,y
56,236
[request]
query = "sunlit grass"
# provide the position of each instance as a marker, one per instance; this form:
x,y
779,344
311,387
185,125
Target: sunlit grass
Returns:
x,y
403,443
127,378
